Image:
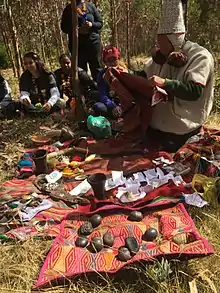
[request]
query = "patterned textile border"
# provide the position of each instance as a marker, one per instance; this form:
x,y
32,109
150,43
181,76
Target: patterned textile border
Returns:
x,y
174,224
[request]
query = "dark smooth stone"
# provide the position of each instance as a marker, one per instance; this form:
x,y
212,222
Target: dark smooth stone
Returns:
x,y
132,244
85,229
108,239
150,235
124,254
96,244
135,216
81,242
95,220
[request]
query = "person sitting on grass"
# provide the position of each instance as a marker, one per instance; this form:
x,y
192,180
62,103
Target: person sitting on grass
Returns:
x,y
64,81
108,104
7,108
185,70
38,88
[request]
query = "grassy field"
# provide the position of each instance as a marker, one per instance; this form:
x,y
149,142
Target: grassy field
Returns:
x,y
21,261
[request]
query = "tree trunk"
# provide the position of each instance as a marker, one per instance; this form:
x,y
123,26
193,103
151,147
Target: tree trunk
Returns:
x,y
128,34
75,48
80,114
15,41
9,52
41,32
113,39
6,39
59,29
57,40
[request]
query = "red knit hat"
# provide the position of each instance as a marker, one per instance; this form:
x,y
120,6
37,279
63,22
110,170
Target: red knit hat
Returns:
x,y
109,52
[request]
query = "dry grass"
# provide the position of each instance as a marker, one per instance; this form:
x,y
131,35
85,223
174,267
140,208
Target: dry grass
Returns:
x,y
21,261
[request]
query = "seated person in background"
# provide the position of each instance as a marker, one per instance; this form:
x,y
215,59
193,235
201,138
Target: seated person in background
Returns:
x,y
6,103
64,82
108,104
186,71
38,87
63,79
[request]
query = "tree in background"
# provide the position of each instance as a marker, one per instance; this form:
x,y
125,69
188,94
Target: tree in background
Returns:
x,y
131,24
4,61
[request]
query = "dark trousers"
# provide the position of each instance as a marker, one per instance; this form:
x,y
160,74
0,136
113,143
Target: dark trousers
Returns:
x,y
89,53
168,142
8,108
86,82
101,109
91,97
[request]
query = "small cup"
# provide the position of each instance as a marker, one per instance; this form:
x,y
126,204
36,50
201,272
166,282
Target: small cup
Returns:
x,y
40,160
97,181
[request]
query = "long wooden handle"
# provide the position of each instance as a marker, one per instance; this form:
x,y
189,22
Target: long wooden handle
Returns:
x,y
74,47
67,151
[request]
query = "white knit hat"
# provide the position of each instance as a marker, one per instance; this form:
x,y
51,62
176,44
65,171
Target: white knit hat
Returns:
x,y
172,18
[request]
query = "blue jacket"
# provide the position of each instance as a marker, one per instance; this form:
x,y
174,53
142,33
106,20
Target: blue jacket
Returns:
x,y
104,90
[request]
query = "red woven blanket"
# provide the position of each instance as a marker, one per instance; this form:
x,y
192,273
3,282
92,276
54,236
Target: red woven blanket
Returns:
x,y
174,225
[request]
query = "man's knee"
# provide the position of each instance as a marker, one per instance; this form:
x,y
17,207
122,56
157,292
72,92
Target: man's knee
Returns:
x,y
100,108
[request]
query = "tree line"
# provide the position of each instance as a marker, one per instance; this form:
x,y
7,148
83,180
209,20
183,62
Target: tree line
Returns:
x,y
129,24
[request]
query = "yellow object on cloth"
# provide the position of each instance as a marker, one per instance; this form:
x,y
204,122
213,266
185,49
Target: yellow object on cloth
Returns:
x,y
70,172
208,185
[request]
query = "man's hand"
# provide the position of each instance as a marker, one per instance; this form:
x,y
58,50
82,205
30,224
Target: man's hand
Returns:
x,y
156,81
88,24
26,101
65,97
91,112
47,107
120,68
117,112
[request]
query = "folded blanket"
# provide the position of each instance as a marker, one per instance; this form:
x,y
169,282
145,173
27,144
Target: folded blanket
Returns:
x,y
26,167
135,99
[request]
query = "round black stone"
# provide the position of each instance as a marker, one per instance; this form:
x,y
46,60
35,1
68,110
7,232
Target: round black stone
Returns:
x,y
108,239
96,244
135,216
124,254
132,244
95,220
81,242
85,229
150,235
